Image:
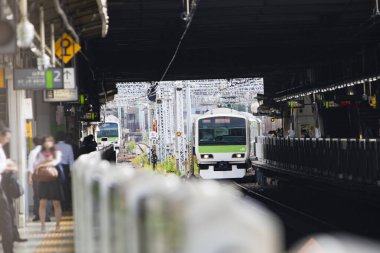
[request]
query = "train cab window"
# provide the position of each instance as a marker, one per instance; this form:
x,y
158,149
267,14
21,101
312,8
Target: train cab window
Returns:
x,y
222,131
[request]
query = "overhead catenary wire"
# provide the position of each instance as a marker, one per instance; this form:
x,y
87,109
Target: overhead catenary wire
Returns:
x,y
189,21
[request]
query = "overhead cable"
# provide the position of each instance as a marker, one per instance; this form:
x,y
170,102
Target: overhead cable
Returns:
x,y
189,21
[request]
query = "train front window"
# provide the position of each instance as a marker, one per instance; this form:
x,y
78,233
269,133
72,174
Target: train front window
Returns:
x,y
222,131
108,130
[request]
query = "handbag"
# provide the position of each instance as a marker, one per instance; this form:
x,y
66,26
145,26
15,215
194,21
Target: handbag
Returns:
x,y
11,185
45,174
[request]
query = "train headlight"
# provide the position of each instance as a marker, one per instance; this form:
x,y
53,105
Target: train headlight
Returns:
x,y
238,155
206,156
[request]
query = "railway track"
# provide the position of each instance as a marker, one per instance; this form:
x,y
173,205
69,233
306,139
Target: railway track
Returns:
x,y
297,223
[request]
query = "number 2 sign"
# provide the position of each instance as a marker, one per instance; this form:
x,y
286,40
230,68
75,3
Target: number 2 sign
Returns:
x,y
54,78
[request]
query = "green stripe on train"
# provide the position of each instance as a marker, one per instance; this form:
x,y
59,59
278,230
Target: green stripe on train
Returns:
x,y
222,149
108,139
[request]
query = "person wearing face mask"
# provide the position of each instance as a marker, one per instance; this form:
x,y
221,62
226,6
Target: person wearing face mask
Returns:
x,y
49,158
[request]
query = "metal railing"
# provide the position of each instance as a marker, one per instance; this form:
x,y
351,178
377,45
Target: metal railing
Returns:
x,y
119,209
346,159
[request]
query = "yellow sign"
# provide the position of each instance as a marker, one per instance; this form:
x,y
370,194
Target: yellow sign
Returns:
x,y
29,129
66,47
2,79
373,102
29,134
179,134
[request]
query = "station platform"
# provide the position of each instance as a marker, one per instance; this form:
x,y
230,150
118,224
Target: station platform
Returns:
x,y
48,242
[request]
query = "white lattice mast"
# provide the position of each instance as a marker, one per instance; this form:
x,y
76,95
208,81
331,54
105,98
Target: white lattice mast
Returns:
x,y
180,127
170,119
189,131
165,120
161,152
142,124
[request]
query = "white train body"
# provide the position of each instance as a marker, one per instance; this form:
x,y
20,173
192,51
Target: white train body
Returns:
x,y
109,132
223,141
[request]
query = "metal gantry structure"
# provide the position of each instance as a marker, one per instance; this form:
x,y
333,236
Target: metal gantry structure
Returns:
x,y
175,99
165,112
180,138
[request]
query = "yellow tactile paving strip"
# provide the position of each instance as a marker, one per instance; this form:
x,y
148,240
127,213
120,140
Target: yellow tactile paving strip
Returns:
x,y
49,242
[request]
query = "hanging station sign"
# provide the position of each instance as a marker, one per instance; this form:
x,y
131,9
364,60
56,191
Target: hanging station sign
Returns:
x,y
34,79
69,78
68,94
61,95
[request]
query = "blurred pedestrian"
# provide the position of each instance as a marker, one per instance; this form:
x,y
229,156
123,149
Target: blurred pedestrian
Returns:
x,y
49,188
154,158
272,134
305,134
88,145
291,133
8,228
279,132
92,141
70,140
67,162
31,160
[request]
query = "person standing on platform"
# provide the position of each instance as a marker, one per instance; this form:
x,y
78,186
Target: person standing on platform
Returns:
x,y
8,228
154,158
67,162
70,140
291,133
88,145
305,134
31,160
49,157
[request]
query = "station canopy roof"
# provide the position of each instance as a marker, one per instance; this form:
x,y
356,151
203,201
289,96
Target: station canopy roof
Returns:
x,y
226,39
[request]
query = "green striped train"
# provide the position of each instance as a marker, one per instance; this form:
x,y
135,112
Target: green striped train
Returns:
x,y
223,141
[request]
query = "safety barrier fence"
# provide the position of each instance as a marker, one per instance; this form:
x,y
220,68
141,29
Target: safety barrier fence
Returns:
x,y
346,159
120,209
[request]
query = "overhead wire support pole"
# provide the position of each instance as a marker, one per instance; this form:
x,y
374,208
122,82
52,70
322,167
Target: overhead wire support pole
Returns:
x,y
180,127
189,133
42,31
52,45
187,7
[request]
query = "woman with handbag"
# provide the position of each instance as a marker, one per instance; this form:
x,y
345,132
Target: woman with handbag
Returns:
x,y
46,173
